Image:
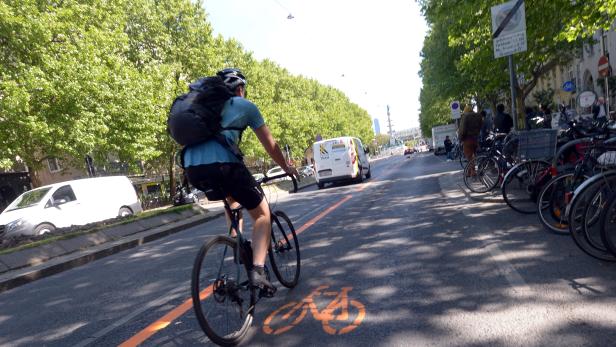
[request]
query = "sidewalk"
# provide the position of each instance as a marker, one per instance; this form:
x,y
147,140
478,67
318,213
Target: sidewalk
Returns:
x,y
28,265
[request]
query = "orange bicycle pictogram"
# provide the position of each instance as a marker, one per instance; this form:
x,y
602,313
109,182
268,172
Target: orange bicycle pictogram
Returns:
x,y
338,317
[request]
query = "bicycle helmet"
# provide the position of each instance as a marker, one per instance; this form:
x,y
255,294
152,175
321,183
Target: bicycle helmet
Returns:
x,y
233,78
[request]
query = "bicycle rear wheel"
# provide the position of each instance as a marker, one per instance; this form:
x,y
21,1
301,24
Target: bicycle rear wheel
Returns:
x,y
523,183
608,231
223,300
481,174
284,250
553,200
585,212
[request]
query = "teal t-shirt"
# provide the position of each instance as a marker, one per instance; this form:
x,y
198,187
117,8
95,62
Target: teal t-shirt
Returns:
x,y
237,113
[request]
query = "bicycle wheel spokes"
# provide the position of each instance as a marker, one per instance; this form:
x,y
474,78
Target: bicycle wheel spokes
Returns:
x,y
553,200
522,185
608,232
588,201
284,250
222,299
481,174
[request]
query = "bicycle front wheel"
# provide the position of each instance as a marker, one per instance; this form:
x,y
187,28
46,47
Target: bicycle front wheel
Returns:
x,y
553,199
284,250
523,183
585,212
482,174
223,300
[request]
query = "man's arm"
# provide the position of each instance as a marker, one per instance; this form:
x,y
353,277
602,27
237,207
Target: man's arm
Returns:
x,y
272,148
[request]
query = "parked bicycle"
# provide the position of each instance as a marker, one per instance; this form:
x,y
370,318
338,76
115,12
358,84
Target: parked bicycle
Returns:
x,y
223,298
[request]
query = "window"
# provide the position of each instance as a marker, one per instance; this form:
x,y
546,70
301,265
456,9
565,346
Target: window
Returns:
x,y
64,193
54,165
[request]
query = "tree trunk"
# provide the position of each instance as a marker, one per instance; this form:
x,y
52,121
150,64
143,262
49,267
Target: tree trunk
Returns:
x,y
172,183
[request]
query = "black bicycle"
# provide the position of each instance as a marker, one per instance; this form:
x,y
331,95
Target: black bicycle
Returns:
x,y
223,299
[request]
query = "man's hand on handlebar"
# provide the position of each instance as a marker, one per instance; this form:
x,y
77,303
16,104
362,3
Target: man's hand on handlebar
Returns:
x,y
291,170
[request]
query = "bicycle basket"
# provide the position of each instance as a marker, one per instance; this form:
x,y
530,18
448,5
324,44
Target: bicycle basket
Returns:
x,y
537,144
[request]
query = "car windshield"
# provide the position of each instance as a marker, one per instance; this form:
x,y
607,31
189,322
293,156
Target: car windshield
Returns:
x,y
28,199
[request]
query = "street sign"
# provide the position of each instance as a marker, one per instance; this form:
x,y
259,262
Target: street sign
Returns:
x,y
569,86
586,98
455,110
604,66
509,28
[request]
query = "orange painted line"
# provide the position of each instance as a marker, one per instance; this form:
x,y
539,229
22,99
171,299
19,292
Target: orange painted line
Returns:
x,y
316,218
165,320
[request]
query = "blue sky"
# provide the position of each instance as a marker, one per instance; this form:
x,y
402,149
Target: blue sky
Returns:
x,y
368,49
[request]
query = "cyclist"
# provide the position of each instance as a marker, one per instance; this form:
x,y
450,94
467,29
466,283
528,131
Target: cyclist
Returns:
x,y
212,167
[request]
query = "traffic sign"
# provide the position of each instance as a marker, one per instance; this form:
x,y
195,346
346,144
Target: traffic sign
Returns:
x,y
568,86
604,66
455,110
509,28
586,98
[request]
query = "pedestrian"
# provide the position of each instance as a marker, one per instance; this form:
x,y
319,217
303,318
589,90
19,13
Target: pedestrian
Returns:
x,y
503,121
448,148
601,113
468,133
210,166
547,116
486,128
530,114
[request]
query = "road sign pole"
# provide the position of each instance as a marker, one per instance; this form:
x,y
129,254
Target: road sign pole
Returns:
x,y
512,81
607,98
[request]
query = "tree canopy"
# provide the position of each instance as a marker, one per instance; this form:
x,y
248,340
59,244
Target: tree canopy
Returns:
x,y
97,78
458,60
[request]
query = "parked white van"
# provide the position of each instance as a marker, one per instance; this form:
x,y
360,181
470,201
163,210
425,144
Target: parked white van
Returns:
x,y
76,202
339,159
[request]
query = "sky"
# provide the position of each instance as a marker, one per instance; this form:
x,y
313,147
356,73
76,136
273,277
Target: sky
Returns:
x,y
367,49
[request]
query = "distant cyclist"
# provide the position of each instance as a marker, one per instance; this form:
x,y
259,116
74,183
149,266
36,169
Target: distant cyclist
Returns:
x,y
212,165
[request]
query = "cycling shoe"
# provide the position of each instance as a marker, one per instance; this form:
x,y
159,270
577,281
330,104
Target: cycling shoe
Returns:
x,y
261,281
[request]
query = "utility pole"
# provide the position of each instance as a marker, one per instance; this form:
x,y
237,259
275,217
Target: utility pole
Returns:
x,y
391,131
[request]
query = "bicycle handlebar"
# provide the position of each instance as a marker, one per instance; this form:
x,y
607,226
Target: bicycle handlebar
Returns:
x,y
266,179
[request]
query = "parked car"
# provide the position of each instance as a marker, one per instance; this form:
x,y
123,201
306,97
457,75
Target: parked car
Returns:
x,y
64,204
275,171
306,171
188,196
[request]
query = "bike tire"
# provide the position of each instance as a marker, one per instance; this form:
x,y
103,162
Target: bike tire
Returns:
x,y
552,203
216,278
284,253
462,159
588,236
487,173
608,231
520,186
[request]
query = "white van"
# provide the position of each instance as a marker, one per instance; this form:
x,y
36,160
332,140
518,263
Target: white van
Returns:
x,y
77,202
338,159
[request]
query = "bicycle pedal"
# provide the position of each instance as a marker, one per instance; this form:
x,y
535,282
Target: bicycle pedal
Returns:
x,y
267,292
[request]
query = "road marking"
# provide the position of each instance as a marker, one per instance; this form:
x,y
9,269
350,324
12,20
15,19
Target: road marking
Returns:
x,y
323,214
291,314
165,320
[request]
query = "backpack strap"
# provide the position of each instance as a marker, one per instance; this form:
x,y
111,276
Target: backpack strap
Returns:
x,y
232,147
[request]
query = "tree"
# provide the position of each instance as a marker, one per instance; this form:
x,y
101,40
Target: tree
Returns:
x,y
550,43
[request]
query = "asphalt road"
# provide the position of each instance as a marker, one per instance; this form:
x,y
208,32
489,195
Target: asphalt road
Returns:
x,y
411,259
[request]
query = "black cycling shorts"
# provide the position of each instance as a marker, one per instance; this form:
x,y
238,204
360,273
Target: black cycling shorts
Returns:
x,y
219,180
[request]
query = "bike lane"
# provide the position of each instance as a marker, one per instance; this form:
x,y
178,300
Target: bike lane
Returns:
x,y
347,269
305,209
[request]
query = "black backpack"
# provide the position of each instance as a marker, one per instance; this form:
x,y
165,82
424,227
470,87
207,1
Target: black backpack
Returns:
x,y
195,117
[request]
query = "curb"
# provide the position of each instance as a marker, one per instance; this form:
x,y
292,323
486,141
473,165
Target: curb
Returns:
x,y
12,279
